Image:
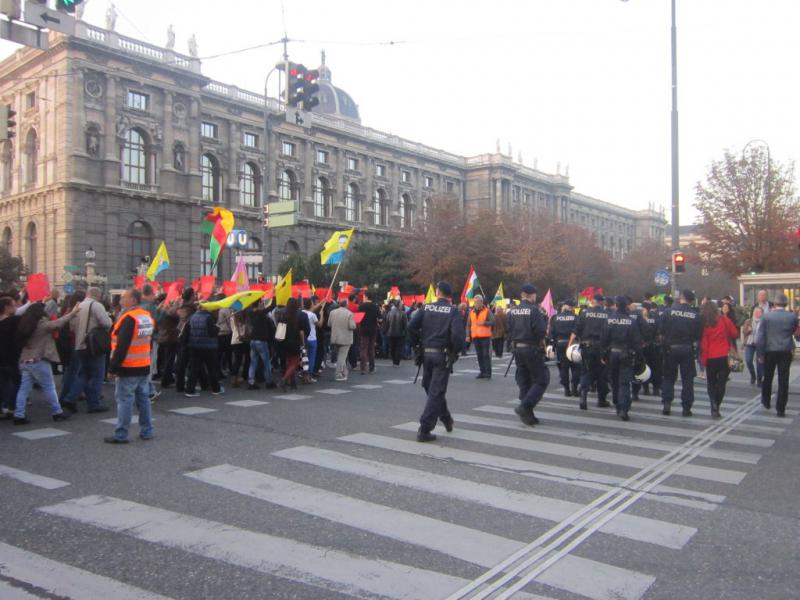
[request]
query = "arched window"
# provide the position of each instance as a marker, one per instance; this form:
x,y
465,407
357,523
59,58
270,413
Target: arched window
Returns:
x,y
401,210
323,205
8,240
31,240
206,268
291,247
140,243
249,185
287,186
31,156
426,209
380,204
352,203
134,158
7,167
253,248
406,210
209,171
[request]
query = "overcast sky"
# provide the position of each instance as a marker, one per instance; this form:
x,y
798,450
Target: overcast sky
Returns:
x,y
580,82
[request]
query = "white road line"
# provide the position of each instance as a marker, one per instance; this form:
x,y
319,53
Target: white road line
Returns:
x,y
292,397
61,580
332,391
642,529
193,410
525,468
41,481
605,438
246,403
634,427
464,543
586,454
367,386
398,381
41,434
275,556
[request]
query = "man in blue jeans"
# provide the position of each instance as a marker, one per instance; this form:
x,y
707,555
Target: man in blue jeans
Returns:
x,y
262,331
130,362
91,369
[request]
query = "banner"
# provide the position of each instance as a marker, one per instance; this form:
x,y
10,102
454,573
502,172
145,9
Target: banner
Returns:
x,y
37,287
174,291
229,288
138,282
206,286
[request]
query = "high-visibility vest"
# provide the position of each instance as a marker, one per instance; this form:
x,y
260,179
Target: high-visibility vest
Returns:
x,y
476,330
138,355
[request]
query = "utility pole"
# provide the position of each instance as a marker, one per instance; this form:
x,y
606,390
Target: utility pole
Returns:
x,y
674,137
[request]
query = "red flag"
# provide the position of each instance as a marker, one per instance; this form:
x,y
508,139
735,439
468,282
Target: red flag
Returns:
x,y
358,317
324,294
229,288
174,291
587,293
206,286
343,296
38,287
301,289
408,300
138,282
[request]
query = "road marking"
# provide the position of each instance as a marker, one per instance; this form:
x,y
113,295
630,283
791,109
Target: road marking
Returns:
x,y
39,574
40,481
398,381
525,468
293,397
41,434
464,543
193,410
639,427
246,403
587,454
332,391
308,564
605,438
631,527
367,386
134,420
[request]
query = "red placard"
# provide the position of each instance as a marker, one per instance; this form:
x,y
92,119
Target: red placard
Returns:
x,y
206,286
358,316
138,282
229,288
38,287
174,291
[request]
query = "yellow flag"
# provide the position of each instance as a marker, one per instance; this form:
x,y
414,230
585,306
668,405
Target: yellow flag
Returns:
x,y
283,291
430,297
335,247
159,263
236,302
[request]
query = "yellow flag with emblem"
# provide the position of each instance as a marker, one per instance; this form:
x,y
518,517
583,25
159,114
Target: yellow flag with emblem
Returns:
x,y
283,291
430,297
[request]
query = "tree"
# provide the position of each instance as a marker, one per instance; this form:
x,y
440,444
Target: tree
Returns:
x,y
11,269
381,263
634,275
307,267
748,214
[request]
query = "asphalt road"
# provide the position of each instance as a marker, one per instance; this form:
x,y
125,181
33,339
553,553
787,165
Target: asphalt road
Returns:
x,y
324,493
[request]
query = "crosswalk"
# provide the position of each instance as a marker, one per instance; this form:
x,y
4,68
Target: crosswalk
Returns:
x,y
577,476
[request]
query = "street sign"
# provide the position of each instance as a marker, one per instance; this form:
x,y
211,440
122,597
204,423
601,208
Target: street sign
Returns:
x,y
22,34
45,18
237,238
71,268
662,278
252,259
66,277
277,208
284,220
69,288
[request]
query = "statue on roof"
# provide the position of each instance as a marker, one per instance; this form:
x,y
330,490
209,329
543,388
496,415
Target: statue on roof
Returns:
x,y
193,46
170,37
111,17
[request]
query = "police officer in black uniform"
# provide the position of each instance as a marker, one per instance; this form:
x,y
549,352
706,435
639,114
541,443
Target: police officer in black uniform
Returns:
x,y
651,349
561,326
622,343
527,326
588,329
681,328
437,332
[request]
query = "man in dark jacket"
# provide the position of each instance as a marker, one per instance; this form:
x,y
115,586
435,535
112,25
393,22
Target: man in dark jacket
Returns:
x,y
203,345
395,327
262,334
369,333
9,357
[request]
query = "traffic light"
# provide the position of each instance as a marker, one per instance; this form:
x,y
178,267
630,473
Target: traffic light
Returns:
x,y
310,90
678,262
7,123
303,86
67,6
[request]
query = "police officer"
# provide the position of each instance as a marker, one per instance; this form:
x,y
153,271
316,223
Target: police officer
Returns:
x,y
651,349
681,328
561,326
527,326
622,343
588,329
437,332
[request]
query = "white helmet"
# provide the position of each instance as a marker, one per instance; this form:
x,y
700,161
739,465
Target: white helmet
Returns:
x,y
643,376
550,353
574,354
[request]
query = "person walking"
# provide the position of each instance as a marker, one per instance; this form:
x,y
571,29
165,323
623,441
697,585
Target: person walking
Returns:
x,y
224,336
481,320
35,337
131,359
312,343
369,333
437,331
9,357
297,331
185,311
262,332
622,344
681,329
588,329
240,346
775,346
749,331
203,346
342,326
499,329
395,329
715,344
651,350
561,326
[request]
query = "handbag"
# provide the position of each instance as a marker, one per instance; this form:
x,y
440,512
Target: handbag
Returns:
x,y
98,338
304,359
735,362
280,332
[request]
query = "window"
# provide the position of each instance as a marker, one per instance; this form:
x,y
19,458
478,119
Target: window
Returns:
x,y
407,212
287,148
30,100
323,206
209,171
352,204
8,240
405,176
7,166
248,185
352,164
426,209
206,267
31,240
287,186
140,243
208,130
451,187
249,140
134,158
380,170
138,100
322,157
429,182
380,204
253,248
31,156
401,210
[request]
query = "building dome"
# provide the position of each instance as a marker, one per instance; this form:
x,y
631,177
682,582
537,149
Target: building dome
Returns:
x,y
332,100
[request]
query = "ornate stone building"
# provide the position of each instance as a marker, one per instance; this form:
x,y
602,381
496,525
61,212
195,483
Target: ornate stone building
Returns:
x,y
121,144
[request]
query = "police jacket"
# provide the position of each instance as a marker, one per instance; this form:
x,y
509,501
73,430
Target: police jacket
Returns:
x,y
438,326
526,323
562,325
589,324
681,326
649,329
621,332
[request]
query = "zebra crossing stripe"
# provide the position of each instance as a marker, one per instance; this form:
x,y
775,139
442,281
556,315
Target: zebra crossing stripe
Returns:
x,y
22,569
585,454
605,438
40,481
641,529
638,426
464,543
525,468
308,564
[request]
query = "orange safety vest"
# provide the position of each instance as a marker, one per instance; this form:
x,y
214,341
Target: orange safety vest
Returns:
x,y
479,331
138,355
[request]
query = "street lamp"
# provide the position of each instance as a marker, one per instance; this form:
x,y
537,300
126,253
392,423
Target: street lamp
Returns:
x,y
92,277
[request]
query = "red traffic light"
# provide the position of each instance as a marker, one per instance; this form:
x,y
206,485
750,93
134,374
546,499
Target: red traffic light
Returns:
x,y
678,262
680,258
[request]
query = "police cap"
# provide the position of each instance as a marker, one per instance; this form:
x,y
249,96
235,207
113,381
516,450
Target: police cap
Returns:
x,y
445,288
621,302
598,297
688,295
569,302
527,289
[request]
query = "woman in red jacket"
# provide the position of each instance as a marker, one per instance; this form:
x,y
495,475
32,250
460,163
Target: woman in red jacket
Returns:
x,y
718,331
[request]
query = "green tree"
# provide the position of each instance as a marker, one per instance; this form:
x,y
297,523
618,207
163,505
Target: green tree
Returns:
x,y
381,263
11,269
307,267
